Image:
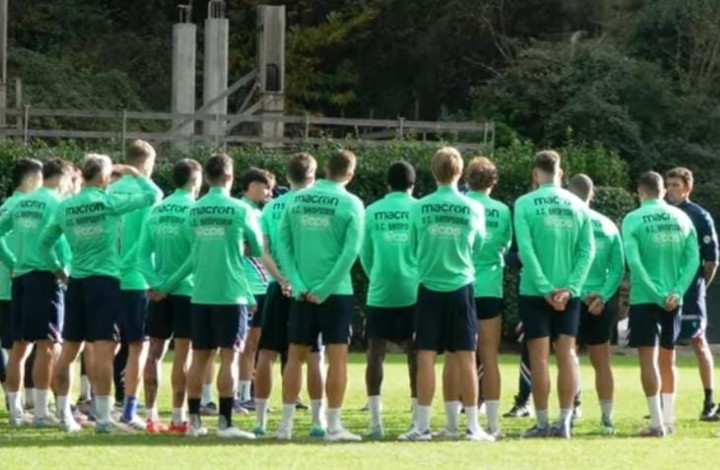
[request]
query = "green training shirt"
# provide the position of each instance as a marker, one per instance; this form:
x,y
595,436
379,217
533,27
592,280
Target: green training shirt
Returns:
x,y
387,255
270,222
662,252
27,219
608,266
219,228
320,237
447,228
257,276
165,242
555,241
490,260
131,225
9,242
90,221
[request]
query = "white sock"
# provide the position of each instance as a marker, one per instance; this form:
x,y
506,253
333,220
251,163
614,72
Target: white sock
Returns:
x,y
423,418
41,403
152,414
178,416
655,411
413,411
452,412
576,375
85,388
29,397
207,396
102,403
261,412
243,390
492,408
606,409
15,404
542,418
288,415
333,420
668,408
62,408
318,417
375,406
471,413
566,416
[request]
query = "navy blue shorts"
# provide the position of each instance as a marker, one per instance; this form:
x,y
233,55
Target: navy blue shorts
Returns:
x,y
595,329
691,327
170,318
651,325
275,317
218,326
92,309
395,324
38,305
332,319
133,315
488,308
6,334
446,321
256,319
542,321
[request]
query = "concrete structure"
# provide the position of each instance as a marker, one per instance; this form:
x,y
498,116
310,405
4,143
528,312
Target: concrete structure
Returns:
x,y
215,70
3,58
271,67
183,76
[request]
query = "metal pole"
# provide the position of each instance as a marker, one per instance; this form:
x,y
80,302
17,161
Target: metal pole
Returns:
x,y
27,118
124,132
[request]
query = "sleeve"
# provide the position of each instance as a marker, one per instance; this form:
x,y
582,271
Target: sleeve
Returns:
x,y
616,269
584,254
6,256
526,251
124,203
146,251
708,238
49,238
690,262
366,252
632,254
351,248
507,234
265,220
252,234
287,255
172,282
480,230
414,237
64,253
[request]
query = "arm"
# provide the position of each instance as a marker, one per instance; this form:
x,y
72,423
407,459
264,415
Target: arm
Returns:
x,y
507,237
366,252
287,255
526,251
351,248
146,250
584,254
6,256
616,270
121,204
634,262
252,234
187,267
48,239
708,247
270,264
689,265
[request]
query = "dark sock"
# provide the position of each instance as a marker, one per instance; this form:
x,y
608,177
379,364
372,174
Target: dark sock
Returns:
x,y
194,406
709,396
226,408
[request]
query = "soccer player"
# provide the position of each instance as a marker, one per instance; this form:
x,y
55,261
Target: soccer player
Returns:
x,y
663,257
90,222
164,246
220,227
141,156
679,183
556,246
320,237
447,228
603,281
27,177
256,186
391,266
482,176
274,337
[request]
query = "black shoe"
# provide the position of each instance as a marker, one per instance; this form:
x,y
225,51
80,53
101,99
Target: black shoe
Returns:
x,y
299,405
710,412
518,411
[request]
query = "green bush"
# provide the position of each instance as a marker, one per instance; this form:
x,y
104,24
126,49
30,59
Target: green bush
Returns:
x,y
514,162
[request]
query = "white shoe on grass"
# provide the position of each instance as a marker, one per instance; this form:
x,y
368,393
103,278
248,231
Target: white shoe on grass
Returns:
x,y
234,433
342,435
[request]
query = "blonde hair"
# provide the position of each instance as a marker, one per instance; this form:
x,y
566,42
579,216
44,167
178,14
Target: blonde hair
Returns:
x,y
447,165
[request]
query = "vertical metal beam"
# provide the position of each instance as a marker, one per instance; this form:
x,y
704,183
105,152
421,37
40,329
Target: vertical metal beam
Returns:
x,y
183,79
215,74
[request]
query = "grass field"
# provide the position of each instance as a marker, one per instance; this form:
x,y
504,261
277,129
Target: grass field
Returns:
x,y
692,446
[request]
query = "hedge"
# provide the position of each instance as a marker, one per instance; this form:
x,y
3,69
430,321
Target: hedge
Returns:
x,y
606,168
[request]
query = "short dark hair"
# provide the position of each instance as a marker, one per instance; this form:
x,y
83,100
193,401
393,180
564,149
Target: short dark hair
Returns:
x,y
217,167
582,186
547,161
683,174
94,164
57,167
256,175
651,183
24,167
481,174
341,164
401,176
139,151
184,170
301,167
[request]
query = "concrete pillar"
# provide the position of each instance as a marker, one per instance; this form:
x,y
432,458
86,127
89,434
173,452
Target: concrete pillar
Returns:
x,y
183,82
215,71
271,67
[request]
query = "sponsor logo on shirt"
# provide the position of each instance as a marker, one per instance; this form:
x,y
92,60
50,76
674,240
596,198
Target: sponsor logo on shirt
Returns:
x,y
85,209
444,231
451,208
396,237
558,222
392,215
210,232
315,222
317,199
88,230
